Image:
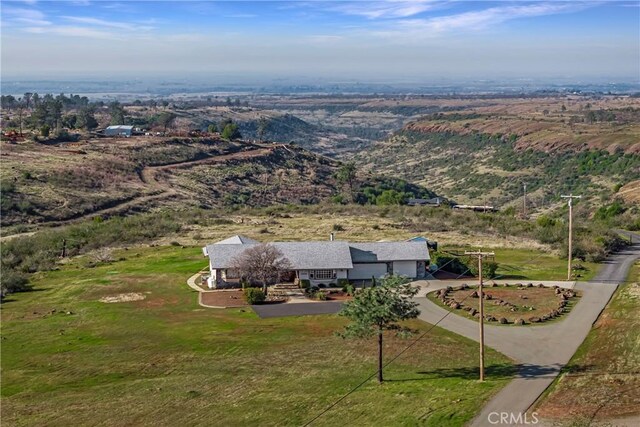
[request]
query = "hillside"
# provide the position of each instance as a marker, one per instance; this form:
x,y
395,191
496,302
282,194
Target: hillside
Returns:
x,y
104,176
487,153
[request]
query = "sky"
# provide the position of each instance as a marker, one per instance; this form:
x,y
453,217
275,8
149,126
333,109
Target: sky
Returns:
x,y
386,41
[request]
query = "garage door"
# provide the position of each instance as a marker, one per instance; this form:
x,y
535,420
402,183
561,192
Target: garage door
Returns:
x,y
366,271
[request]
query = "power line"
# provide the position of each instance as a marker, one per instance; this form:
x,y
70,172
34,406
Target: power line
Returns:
x,y
353,390
480,255
570,198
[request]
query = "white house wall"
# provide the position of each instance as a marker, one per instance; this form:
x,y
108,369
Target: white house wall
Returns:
x,y
405,268
340,274
367,271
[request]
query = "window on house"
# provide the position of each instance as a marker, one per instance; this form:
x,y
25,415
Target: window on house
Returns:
x,y
323,274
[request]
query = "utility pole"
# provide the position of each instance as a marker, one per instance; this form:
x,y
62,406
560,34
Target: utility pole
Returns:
x,y
480,256
570,198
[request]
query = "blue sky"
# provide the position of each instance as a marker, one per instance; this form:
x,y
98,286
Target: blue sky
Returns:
x,y
377,41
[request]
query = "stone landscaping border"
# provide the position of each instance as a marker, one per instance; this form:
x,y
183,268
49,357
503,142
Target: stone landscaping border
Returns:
x,y
564,295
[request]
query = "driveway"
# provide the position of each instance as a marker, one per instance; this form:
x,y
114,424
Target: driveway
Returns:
x,y
540,351
296,309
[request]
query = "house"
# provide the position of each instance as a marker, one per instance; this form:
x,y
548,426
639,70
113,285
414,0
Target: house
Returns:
x,y
119,130
325,262
482,208
435,201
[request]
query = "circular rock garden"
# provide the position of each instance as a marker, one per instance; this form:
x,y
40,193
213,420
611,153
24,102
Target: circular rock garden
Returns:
x,y
509,304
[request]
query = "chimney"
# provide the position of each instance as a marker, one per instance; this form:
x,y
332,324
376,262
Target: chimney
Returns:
x,y
331,237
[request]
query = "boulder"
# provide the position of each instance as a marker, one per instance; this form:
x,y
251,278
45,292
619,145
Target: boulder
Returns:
x,y
534,319
474,294
529,285
488,297
524,297
503,321
557,290
489,318
455,305
473,312
544,318
464,286
519,322
494,285
540,285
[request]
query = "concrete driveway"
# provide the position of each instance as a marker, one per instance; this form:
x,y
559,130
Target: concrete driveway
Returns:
x,y
297,309
540,351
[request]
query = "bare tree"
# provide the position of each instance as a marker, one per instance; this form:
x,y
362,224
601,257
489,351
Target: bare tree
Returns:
x,y
262,263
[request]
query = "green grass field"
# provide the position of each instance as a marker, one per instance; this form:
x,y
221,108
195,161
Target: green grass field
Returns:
x,y
166,361
609,386
521,264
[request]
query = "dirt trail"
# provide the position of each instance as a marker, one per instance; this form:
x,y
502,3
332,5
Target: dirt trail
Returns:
x,y
160,189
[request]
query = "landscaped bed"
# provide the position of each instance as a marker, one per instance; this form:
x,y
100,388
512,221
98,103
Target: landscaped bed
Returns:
x,y
329,295
517,304
230,298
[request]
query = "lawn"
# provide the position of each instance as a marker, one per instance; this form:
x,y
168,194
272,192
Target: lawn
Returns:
x,y
510,302
69,359
609,385
521,264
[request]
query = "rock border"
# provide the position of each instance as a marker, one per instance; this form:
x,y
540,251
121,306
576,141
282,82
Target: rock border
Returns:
x,y
564,295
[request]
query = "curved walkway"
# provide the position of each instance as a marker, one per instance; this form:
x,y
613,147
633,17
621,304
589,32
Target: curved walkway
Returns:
x,y
540,351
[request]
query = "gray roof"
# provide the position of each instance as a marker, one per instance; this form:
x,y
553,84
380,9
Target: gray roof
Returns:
x,y
302,255
321,255
237,239
120,127
389,251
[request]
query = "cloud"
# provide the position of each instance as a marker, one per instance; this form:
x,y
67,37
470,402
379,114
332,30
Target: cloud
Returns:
x,y
105,23
475,20
24,16
241,15
72,31
324,38
388,9
495,15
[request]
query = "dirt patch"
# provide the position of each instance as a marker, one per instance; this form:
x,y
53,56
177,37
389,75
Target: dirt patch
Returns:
x,y
128,297
224,299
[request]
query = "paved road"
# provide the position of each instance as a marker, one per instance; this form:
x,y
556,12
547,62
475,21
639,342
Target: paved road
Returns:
x,y
540,351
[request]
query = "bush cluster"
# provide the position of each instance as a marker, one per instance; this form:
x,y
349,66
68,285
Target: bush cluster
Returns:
x,y
254,295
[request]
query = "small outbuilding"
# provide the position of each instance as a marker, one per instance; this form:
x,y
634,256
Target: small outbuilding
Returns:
x,y
119,130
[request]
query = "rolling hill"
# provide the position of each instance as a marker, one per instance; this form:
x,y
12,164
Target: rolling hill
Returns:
x,y
58,183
